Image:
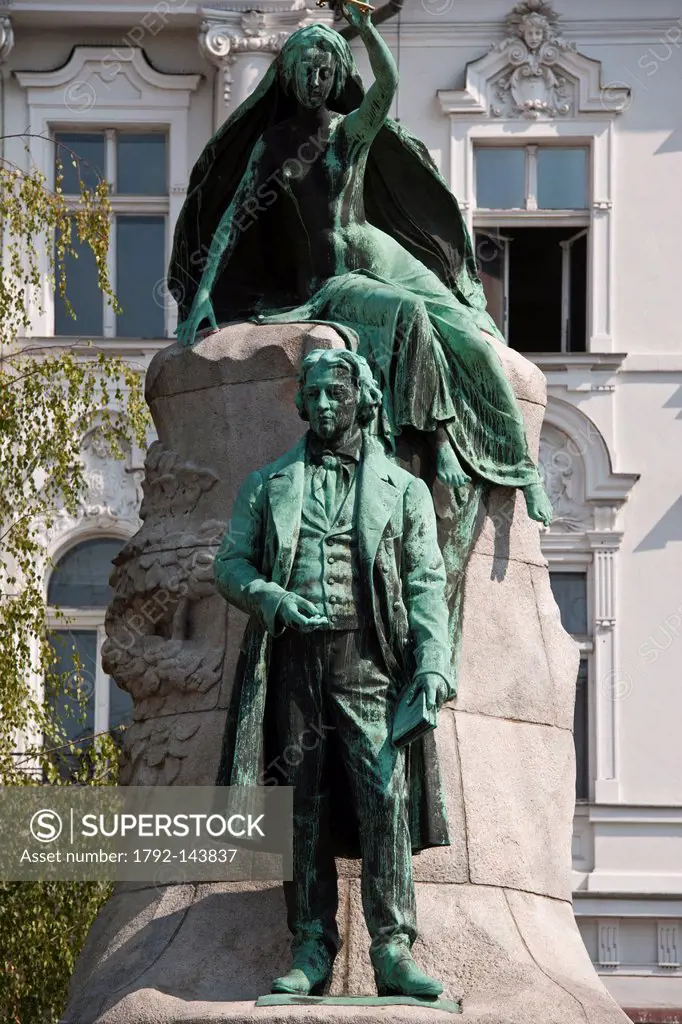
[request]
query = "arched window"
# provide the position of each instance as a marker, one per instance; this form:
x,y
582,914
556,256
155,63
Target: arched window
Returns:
x,y
582,550
79,588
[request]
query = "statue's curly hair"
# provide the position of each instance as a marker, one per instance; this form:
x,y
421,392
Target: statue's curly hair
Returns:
x,y
369,392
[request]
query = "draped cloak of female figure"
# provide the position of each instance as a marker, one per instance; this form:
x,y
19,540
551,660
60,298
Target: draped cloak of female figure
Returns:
x,y
416,313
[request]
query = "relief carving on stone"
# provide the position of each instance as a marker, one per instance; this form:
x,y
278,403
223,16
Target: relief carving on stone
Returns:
x,y
6,38
532,87
112,492
561,472
153,648
222,40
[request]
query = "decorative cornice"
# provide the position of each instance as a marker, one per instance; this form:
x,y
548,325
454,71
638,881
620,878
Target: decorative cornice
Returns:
x,y
244,6
110,62
587,362
449,34
225,33
536,73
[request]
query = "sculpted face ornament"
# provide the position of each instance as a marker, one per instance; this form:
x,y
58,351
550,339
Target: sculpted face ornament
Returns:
x,y
533,87
534,31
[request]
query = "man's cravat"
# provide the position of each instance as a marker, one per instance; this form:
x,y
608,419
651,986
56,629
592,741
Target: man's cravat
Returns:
x,y
329,481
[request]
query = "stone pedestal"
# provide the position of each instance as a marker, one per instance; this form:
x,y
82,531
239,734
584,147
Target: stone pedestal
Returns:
x,y
495,915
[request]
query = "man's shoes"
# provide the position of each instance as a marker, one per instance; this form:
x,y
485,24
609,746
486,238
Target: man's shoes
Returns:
x,y
310,971
396,974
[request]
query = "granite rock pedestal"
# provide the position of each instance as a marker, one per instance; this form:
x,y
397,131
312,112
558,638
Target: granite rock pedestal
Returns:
x,y
494,909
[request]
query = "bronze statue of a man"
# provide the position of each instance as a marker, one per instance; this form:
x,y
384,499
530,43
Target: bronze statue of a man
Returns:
x,y
332,551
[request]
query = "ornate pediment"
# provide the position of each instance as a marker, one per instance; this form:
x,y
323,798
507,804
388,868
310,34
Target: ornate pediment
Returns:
x,y
534,73
105,78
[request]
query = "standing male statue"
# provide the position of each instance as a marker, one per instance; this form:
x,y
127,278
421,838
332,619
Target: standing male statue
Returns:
x,y
332,551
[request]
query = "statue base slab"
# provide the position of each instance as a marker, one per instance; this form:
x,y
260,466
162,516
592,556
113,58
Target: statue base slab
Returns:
x,y
448,1005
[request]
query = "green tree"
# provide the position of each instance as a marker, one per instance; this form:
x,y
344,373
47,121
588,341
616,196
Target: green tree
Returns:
x,y
49,395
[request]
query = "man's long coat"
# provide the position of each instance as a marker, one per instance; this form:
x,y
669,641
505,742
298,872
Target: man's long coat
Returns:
x,y
402,572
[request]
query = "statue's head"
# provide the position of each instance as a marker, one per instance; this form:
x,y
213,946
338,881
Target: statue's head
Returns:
x,y
534,30
314,64
336,391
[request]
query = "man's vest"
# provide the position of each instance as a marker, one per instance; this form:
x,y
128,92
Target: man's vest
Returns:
x,y
326,566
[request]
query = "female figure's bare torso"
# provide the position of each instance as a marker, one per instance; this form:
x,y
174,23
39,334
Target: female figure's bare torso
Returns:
x,y
320,170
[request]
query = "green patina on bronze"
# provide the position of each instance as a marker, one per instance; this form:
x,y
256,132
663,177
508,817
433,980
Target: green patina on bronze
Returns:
x,y
333,553
310,204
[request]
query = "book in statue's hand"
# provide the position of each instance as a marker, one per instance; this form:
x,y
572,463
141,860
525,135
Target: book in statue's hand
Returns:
x,y
413,717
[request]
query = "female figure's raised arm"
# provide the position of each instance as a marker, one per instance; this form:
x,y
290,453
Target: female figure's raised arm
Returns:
x,y
373,111
223,242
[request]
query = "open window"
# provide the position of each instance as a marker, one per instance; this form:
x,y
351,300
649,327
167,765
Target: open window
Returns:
x,y
531,231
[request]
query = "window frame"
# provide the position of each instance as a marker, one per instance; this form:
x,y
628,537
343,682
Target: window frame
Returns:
x,y
92,621
97,89
492,216
596,132
491,220
66,619
121,205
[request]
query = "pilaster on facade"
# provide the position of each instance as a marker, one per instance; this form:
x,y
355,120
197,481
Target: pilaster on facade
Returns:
x,y
242,43
669,944
608,944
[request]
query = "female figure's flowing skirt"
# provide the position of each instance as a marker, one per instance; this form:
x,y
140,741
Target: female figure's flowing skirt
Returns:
x,y
435,367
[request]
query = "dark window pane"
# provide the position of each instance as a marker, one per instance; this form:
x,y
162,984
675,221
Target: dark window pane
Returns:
x,y
71,689
562,179
490,260
535,289
570,593
141,164
83,291
120,705
501,179
581,734
88,150
140,245
81,577
577,324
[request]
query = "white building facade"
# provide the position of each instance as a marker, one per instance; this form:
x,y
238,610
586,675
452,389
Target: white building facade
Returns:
x,y
559,129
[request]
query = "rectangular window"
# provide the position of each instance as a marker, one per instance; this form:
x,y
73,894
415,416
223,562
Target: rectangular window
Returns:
x,y
135,163
87,701
570,594
562,179
139,268
531,238
73,706
501,178
83,293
